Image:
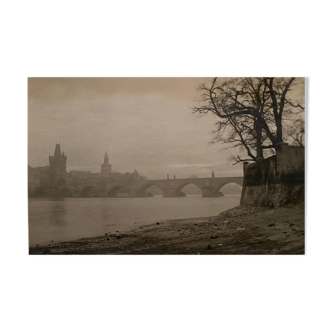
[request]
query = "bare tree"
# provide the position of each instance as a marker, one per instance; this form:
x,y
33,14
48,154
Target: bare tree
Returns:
x,y
250,112
296,132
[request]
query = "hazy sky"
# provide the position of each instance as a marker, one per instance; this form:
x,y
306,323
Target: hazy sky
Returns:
x,y
143,123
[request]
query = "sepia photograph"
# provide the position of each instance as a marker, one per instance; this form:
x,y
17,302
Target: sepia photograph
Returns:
x,y
164,166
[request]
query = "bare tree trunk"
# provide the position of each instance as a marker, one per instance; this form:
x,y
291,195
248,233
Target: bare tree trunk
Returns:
x,y
279,130
258,130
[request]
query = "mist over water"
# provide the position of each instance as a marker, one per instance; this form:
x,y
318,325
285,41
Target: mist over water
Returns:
x,y
75,218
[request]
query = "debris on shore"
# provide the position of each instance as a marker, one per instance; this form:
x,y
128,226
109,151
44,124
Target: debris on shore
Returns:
x,y
242,230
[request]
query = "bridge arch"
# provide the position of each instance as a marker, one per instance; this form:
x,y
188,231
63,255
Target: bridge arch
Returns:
x,y
179,189
220,186
142,190
113,192
153,190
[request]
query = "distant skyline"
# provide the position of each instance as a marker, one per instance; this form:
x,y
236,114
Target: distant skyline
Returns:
x,y
143,123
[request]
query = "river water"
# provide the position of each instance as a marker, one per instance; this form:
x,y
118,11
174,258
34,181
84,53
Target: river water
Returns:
x,y
75,218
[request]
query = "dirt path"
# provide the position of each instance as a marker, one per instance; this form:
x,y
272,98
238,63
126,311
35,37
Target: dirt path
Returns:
x,y
241,230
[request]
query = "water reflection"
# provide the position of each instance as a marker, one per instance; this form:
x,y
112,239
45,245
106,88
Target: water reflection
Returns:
x,y
105,212
58,212
75,218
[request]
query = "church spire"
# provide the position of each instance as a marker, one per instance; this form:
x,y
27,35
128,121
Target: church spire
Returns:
x,y
57,151
106,168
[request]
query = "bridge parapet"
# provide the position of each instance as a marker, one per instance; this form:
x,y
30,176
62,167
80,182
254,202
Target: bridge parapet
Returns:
x,y
170,187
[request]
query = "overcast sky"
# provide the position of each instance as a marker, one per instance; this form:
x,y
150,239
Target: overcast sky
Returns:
x,y
143,123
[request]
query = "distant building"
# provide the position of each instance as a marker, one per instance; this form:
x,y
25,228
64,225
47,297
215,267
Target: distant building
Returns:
x,y
106,168
42,180
135,176
44,175
80,174
58,172
33,178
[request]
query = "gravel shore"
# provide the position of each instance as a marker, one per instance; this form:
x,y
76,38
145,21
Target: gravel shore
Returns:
x,y
242,230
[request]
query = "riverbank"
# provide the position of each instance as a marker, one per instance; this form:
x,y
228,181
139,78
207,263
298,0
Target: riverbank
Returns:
x,y
241,230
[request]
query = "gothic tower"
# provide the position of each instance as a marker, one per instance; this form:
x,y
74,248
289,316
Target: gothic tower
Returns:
x,y
106,168
58,168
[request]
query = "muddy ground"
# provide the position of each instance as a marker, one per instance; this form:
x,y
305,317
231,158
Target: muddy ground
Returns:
x,y
242,230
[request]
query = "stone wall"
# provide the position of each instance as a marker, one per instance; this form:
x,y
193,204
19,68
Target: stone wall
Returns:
x,y
277,180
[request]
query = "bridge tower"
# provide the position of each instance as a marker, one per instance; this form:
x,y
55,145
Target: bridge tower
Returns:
x,y
58,172
106,167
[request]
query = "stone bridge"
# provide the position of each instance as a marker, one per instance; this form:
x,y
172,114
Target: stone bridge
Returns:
x,y
170,187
